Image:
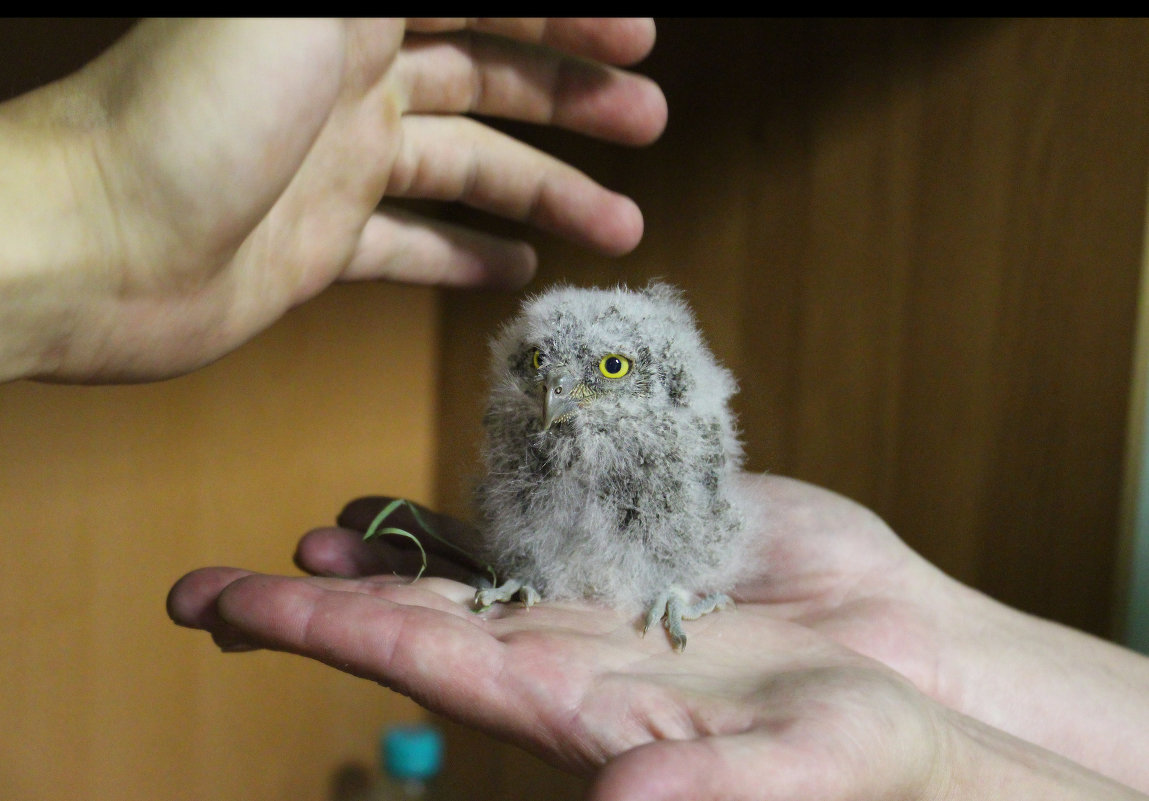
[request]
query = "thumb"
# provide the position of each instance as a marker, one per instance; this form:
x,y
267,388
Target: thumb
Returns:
x,y
752,766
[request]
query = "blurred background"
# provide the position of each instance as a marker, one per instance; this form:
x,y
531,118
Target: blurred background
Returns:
x,y
917,243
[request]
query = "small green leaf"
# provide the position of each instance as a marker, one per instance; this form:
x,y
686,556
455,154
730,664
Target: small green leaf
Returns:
x,y
373,530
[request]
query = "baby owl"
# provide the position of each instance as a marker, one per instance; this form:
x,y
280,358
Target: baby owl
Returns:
x,y
610,451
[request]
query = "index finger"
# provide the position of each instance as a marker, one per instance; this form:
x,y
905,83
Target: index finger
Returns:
x,y
439,654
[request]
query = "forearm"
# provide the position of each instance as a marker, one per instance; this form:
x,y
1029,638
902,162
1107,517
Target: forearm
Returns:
x,y
1067,691
46,242
986,763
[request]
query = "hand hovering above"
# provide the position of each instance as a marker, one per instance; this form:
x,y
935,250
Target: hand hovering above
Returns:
x,y
182,191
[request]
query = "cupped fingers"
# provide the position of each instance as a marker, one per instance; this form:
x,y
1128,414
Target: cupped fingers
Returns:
x,y
442,537
341,553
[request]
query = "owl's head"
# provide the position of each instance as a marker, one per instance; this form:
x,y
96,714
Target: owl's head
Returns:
x,y
603,352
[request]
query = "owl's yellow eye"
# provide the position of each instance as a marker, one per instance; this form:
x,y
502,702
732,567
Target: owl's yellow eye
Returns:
x,y
536,358
614,365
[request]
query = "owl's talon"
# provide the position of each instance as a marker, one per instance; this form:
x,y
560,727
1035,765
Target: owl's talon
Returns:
x,y
671,609
714,602
487,597
674,612
655,613
528,596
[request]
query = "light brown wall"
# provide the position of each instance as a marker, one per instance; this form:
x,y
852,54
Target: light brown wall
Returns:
x,y
111,493
917,243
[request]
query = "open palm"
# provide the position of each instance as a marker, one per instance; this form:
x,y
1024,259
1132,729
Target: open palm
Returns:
x,y
580,686
564,671
828,678
822,561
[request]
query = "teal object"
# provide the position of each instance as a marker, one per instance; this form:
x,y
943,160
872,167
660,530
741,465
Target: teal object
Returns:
x,y
412,752
1137,593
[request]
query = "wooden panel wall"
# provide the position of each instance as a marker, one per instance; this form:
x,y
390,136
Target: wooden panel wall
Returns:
x,y
110,494
917,243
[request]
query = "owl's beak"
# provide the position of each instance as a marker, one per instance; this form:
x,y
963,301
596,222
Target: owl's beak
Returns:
x,y
562,394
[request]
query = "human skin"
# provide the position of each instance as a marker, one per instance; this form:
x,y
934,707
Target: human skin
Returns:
x,y
177,195
850,669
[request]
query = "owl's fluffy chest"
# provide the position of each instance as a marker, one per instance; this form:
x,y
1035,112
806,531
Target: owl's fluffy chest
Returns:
x,y
609,509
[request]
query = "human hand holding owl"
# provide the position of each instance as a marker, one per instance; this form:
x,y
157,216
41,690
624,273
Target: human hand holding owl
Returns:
x,y
766,703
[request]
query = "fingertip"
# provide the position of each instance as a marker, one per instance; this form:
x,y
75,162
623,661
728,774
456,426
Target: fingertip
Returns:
x,y
617,228
652,112
342,553
525,266
641,36
631,227
334,552
621,41
191,602
621,107
179,604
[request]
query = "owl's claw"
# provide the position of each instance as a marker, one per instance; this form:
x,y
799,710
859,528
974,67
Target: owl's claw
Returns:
x,y
528,596
487,597
674,622
673,607
655,613
714,602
